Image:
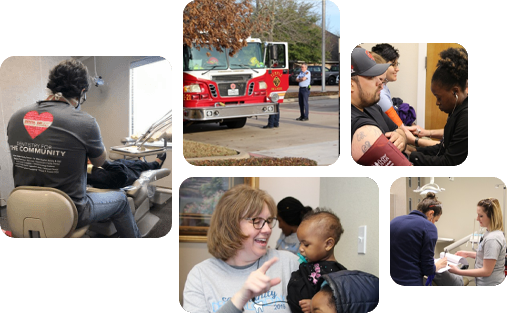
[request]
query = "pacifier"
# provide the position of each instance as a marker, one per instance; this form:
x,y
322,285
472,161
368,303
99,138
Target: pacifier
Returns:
x,y
302,259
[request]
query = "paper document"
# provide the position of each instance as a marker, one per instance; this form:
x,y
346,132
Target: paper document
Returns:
x,y
451,259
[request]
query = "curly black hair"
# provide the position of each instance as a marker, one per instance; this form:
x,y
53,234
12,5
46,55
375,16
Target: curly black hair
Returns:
x,y
291,210
388,52
328,292
69,77
328,222
452,69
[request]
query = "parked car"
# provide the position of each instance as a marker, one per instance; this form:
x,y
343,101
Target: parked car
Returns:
x,y
333,76
293,74
316,71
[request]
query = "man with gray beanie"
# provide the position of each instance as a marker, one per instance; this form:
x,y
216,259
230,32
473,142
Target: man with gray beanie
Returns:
x,y
368,121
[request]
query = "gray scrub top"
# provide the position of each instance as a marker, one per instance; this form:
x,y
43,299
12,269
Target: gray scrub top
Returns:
x,y
492,247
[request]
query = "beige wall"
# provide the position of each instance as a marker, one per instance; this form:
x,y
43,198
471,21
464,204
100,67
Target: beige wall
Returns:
x,y
459,202
305,190
398,197
354,200
22,82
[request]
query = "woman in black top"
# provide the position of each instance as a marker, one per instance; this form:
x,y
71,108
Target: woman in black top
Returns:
x,y
449,85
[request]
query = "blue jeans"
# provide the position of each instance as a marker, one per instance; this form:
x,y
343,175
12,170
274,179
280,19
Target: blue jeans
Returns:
x,y
115,206
274,119
304,93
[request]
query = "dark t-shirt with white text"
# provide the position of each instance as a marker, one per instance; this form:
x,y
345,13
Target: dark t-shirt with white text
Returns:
x,y
50,142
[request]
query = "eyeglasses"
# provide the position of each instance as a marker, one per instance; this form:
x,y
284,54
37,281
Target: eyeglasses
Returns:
x,y
259,222
395,64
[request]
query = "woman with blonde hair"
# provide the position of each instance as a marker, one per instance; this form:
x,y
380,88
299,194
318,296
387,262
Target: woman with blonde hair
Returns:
x,y
490,255
243,275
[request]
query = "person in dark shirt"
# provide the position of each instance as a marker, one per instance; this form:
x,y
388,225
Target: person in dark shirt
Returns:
x,y
51,141
290,213
450,85
413,240
368,121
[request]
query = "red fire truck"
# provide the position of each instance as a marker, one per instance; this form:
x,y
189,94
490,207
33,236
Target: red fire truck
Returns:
x,y
224,89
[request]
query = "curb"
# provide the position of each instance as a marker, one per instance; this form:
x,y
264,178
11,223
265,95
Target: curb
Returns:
x,y
240,155
311,98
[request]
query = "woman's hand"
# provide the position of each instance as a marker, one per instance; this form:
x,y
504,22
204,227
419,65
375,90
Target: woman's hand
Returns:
x,y
410,136
418,131
454,269
441,264
256,284
306,305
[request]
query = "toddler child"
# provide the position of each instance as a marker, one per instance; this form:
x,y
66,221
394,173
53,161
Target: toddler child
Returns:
x,y
318,234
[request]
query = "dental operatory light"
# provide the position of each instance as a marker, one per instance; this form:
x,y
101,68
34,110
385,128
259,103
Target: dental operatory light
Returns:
x,y
431,187
97,80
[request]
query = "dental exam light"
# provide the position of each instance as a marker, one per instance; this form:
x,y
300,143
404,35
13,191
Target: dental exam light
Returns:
x,y
431,187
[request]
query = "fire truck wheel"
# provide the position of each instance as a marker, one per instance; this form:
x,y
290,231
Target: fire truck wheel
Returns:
x,y
235,123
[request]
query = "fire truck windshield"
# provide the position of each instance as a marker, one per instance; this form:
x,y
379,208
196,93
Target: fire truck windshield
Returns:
x,y
248,57
203,59
206,59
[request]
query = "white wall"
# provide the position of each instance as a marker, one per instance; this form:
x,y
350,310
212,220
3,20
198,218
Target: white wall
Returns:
x,y
354,200
409,86
22,82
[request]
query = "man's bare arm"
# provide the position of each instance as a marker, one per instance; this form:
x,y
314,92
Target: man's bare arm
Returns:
x,y
364,138
99,161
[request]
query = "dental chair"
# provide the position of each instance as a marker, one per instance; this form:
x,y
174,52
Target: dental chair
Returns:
x,y
153,141
42,212
139,201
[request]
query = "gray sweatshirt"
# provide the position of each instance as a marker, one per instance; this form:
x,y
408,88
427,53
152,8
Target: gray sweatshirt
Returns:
x,y
211,284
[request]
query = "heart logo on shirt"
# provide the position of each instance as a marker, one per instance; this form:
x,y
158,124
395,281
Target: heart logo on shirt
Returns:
x,y
36,124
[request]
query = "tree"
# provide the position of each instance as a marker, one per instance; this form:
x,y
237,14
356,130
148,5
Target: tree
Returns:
x,y
291,21
219,24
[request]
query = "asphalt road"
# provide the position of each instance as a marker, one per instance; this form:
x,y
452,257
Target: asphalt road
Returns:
x,y
316,139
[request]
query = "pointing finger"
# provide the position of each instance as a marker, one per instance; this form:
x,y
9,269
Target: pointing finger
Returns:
x,y
264,268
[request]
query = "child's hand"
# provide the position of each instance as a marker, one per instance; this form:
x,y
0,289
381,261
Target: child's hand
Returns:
x,y
306,305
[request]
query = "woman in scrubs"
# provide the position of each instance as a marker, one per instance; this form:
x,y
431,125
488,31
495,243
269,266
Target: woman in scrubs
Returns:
x,y
490,256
